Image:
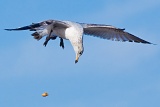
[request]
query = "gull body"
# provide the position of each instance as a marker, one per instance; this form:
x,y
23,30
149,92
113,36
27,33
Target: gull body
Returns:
x,y
74,34
74,31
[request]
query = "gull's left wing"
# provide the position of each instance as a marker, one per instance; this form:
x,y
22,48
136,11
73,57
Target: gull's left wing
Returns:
x,y
111,33
44,28
41,25
33,26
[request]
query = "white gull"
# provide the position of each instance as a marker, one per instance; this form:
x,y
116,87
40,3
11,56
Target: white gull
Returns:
x,y
74,31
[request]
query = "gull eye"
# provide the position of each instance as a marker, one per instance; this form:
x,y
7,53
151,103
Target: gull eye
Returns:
x,y
81,52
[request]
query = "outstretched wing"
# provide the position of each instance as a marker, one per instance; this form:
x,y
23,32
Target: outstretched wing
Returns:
x,y
43,28
111,33
42,25
33,26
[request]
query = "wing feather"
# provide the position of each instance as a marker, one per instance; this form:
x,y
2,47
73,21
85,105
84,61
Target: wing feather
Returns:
x,y
42,28
111,33
30,27
42,25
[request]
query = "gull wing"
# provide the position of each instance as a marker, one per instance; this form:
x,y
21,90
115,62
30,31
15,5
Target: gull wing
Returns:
x,y
111,33
42,28
42,25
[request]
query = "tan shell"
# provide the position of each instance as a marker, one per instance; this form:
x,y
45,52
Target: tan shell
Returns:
x,y
45,94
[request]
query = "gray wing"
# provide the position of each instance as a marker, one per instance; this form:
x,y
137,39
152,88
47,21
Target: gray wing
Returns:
x,y
42,25
111,33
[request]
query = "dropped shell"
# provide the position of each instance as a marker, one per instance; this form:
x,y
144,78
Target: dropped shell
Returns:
x,y
45,94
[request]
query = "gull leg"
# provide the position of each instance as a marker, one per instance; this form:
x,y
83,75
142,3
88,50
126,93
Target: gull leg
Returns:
x,y
46,41
48,38
61,43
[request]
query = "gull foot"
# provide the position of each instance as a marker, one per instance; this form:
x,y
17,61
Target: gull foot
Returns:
x,y
61,43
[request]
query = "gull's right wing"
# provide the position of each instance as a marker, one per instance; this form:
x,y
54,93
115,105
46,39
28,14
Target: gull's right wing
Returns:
x,y
111,33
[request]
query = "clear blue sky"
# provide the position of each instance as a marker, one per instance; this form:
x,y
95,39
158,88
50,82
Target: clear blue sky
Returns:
x,y
108,74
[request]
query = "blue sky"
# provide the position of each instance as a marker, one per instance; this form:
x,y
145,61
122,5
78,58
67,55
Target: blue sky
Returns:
x,y
108,74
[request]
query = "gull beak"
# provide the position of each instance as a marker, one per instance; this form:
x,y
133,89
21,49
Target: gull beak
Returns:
x,y
76,59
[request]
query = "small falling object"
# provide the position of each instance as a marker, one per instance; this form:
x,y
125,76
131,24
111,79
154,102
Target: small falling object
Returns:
x,y
45,94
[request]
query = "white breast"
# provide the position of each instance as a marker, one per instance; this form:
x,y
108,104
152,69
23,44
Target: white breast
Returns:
x,y
73,32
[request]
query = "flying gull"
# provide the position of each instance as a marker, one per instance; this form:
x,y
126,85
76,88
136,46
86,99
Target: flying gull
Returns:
x,y
74,31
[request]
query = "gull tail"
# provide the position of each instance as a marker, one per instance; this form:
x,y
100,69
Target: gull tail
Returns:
x,y
36,36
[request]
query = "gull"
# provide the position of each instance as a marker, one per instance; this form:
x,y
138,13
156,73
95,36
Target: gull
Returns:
x,y
74,31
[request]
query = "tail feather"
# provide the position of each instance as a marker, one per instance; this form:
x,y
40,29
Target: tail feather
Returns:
x,y
36,36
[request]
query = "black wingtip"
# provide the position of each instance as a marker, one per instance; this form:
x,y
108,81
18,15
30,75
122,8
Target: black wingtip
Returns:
x,y
8,29
154,44
148,43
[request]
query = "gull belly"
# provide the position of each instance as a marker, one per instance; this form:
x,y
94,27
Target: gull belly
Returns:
x,y
75,36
